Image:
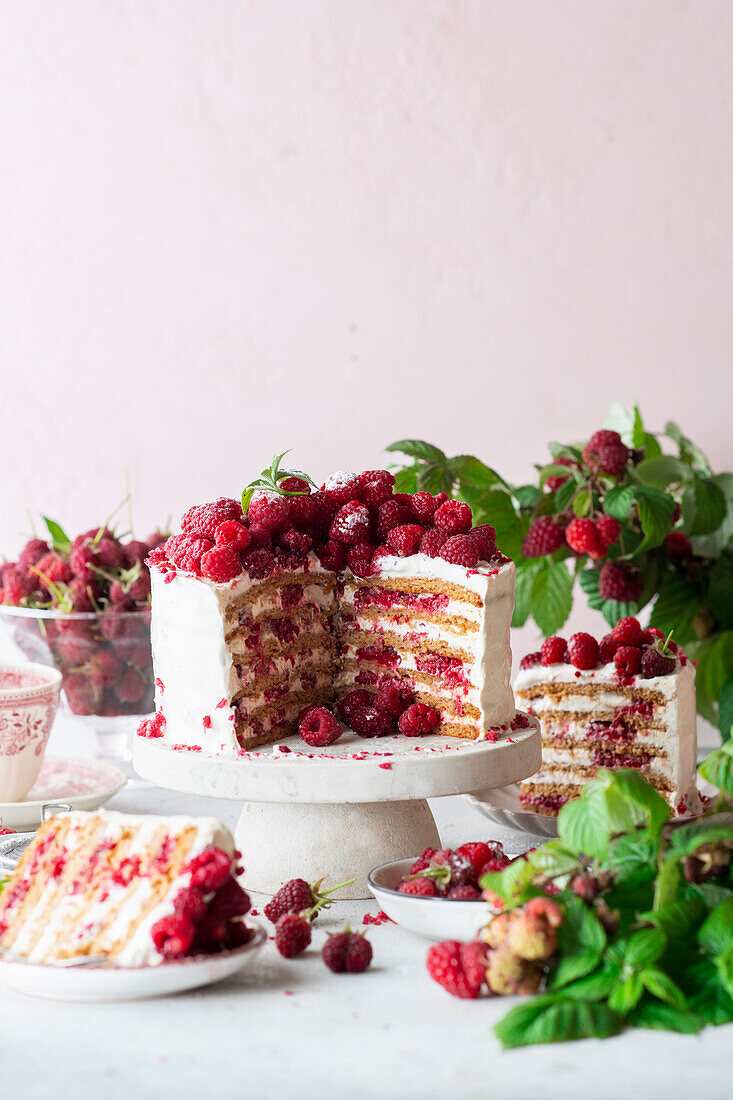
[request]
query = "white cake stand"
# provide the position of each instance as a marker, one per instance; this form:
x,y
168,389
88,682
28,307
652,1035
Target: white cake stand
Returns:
x,y
339,812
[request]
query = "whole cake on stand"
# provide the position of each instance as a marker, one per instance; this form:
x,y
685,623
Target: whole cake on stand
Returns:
x,y
391,608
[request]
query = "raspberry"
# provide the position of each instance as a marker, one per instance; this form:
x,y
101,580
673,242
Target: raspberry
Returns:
x,y
294,897
295,485
484,536
367,721
453,517
627,660
543,537
608,530
210,869
474,958
259,537
232,534
580,535
676,544
203,519
6,832
555,481
52,568
81,560
31,553
424,506
295,540
186,551
605,451
259,563
583,651
418,719
607,648
654,663
531,660
130,688
110,554
627,631
347,952
405,540
221,564
292,935
229,901
420,887
377,490
445,964
17,586
380,553
332,555
359,559
140,589
351,523
393,513
343,486
326,509
463,893
460,550
318,727
269,510
554,651
352,701
433,542
173,935
80,693
303,510
423,860
190,902
478,853
622,583
393,697
104,667
135,552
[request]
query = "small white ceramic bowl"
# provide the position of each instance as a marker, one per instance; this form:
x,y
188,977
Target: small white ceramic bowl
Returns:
x,y
29,697
434,918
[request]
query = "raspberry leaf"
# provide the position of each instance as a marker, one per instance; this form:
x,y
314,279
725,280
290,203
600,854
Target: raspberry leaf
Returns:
x,y
418,448
59,539
552,596
654,1014
523,593
706,994
554,1019
703,507
656,510
716,933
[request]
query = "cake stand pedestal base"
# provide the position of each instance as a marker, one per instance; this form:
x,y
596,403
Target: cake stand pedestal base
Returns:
x,y
283,840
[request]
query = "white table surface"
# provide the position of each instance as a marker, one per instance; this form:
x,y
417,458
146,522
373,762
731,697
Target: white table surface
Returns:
x,y
293,1029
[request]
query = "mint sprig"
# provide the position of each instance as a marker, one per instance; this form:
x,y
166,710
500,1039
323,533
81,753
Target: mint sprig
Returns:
x,y
647,937
270,479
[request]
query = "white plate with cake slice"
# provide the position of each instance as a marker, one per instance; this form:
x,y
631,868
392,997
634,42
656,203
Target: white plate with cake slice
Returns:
x,y
126,983
502,806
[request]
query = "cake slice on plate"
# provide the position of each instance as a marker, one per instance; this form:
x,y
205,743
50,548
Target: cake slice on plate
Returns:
x,y
626,703
138,890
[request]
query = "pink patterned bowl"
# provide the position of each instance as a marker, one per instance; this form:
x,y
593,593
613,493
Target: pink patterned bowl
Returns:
x,y
29,696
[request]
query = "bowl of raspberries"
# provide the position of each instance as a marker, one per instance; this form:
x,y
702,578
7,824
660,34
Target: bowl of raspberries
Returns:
x,y
437,894
82,605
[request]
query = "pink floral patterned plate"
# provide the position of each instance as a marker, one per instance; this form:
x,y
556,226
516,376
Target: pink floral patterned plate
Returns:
x,y
84,783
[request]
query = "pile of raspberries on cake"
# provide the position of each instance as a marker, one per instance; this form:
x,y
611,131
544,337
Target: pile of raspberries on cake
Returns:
x,y
633,650
353,520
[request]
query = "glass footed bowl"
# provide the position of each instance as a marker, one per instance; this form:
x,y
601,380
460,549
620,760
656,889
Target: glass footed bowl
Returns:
x,y
105,663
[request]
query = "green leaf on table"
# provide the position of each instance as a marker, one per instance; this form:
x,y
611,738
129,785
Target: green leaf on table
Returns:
x,y
677,919
59,539
654,1014
656,510
644,948
724,963
551,1019
594,986
552,597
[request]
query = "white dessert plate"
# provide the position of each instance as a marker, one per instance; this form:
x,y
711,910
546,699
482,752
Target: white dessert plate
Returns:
x,y
502,806
118,983
434,918
85,784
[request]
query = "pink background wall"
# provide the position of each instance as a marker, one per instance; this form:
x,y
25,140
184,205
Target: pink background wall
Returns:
x,y
229,228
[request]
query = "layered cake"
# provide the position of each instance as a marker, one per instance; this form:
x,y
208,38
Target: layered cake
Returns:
x,y
628,702
138,890
322,596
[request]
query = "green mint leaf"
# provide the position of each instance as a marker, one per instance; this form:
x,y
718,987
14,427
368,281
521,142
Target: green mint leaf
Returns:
x,y
549,1019
551,596
626,995
59,539
418,448
651,1013
716,934
656,510
661,986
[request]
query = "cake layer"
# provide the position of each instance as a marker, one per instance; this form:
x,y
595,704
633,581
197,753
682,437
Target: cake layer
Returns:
x,y
97,883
